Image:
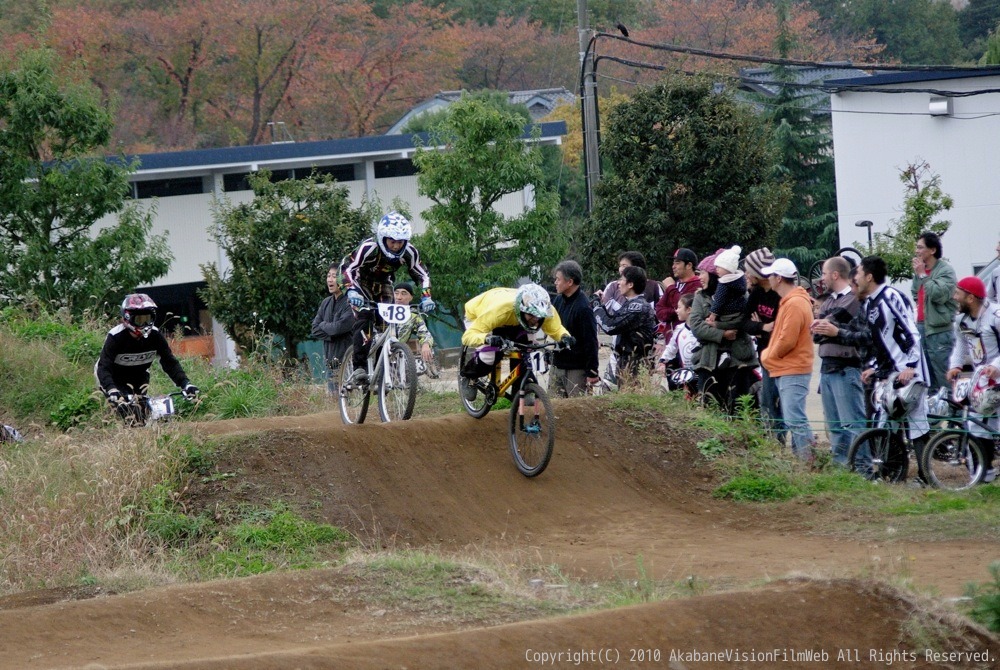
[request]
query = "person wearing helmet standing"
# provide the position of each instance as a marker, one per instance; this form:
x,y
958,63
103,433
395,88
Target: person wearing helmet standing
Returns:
x,y
519,314
977,342
886,327
130,349
369,272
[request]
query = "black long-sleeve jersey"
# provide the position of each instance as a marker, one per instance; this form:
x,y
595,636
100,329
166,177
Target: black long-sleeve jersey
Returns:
x,y
885,328
125,360
368,269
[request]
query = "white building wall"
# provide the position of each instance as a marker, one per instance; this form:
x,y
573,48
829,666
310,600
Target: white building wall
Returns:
x,y
187,220
877,135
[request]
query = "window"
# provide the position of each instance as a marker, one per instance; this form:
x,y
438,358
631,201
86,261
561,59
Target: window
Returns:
x,y
162,188
400,168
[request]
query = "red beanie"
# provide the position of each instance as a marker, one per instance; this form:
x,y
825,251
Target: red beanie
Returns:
x,y
973,286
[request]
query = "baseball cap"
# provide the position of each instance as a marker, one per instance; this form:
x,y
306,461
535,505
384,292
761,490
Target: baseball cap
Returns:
x,y
782,267
973,286
685,256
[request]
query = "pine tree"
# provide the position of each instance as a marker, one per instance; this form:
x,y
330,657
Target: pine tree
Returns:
x,y
809,228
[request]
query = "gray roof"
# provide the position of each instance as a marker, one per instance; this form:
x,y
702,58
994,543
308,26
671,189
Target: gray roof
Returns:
x,y
812,79
287,155
539,101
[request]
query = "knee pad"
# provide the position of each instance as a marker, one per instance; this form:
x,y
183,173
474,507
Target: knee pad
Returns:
x,y
487,355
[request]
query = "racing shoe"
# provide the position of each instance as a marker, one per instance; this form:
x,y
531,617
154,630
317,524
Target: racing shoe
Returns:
x,y
467,387
358,378
989,475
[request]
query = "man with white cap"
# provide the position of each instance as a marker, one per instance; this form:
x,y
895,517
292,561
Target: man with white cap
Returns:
x,y
789,355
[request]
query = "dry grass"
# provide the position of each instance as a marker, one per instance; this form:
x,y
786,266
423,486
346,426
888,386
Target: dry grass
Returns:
x,y
66,503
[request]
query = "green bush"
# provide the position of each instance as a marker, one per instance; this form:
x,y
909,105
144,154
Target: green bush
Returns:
x,y
287,531
75,408
756,487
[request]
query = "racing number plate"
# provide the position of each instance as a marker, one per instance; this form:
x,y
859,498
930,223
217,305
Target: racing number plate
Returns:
x,y
539,362
392,313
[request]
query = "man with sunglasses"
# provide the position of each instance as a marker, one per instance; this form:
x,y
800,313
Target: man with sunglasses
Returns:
x,y
130,349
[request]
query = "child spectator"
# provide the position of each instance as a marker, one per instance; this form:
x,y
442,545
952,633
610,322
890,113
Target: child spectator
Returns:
x,y
731,295
679,352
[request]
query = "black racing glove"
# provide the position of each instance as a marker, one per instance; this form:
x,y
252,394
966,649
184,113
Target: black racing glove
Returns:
x,y
191,391
115,397
567,342
494,341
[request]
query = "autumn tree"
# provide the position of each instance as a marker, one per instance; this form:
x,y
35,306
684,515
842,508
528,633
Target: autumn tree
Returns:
x,y
53,190
469,245
687,166
279,246
383,67
518,54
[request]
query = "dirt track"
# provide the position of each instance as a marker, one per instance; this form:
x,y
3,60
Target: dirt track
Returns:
x,y
614,495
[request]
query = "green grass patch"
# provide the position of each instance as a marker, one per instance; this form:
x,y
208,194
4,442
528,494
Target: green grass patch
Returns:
x,y
285,530
985,599
758,487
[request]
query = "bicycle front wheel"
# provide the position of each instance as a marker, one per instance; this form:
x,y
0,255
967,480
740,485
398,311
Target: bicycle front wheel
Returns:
x,y
953,460
532,430
397,391
353,398
879,455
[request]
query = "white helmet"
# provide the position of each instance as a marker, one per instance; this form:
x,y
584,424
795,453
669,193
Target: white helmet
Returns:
x,y
984,397
534,300
394,226
898,401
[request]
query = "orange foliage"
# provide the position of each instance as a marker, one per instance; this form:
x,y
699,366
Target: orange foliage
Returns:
x,y
516,54
732,26
378,68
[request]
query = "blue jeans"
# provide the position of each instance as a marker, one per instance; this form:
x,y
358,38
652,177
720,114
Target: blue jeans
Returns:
x,y
793,390
770,409
843,408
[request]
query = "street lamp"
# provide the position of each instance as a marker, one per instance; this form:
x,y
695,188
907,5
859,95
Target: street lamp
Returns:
x,y
868,225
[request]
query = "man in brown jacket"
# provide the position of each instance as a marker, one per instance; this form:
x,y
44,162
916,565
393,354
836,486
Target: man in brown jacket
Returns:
x,y
789,355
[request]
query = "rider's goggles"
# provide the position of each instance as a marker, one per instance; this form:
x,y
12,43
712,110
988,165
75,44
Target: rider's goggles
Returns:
x,y
142,319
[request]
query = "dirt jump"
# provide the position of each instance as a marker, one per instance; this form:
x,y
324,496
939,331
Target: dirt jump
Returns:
x,y
619,499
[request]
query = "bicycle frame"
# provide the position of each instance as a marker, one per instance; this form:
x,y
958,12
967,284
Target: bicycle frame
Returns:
x,y
523,371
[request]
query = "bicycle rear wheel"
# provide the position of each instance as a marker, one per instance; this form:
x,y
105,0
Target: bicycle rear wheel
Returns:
x,y
879,455
397,389
953,460
532,430
353,399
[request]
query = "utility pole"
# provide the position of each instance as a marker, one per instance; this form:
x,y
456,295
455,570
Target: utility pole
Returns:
x,y
588,103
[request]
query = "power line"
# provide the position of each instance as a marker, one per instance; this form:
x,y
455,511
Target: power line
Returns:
x,y
724,55
862,88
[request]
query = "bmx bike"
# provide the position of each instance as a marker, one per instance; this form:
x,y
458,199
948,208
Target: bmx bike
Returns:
x,y
392,371
532,424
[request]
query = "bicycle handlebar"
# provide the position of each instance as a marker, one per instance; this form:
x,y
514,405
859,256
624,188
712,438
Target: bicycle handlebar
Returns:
x,y
528,346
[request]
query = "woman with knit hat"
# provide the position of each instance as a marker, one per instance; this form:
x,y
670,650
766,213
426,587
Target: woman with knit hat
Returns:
x,y
727,358
760,314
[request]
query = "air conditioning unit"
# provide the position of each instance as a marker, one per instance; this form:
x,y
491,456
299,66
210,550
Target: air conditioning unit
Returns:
x,y
941,106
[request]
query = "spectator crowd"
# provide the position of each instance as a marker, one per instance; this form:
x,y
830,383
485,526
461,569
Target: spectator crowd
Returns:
x,y
726,325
